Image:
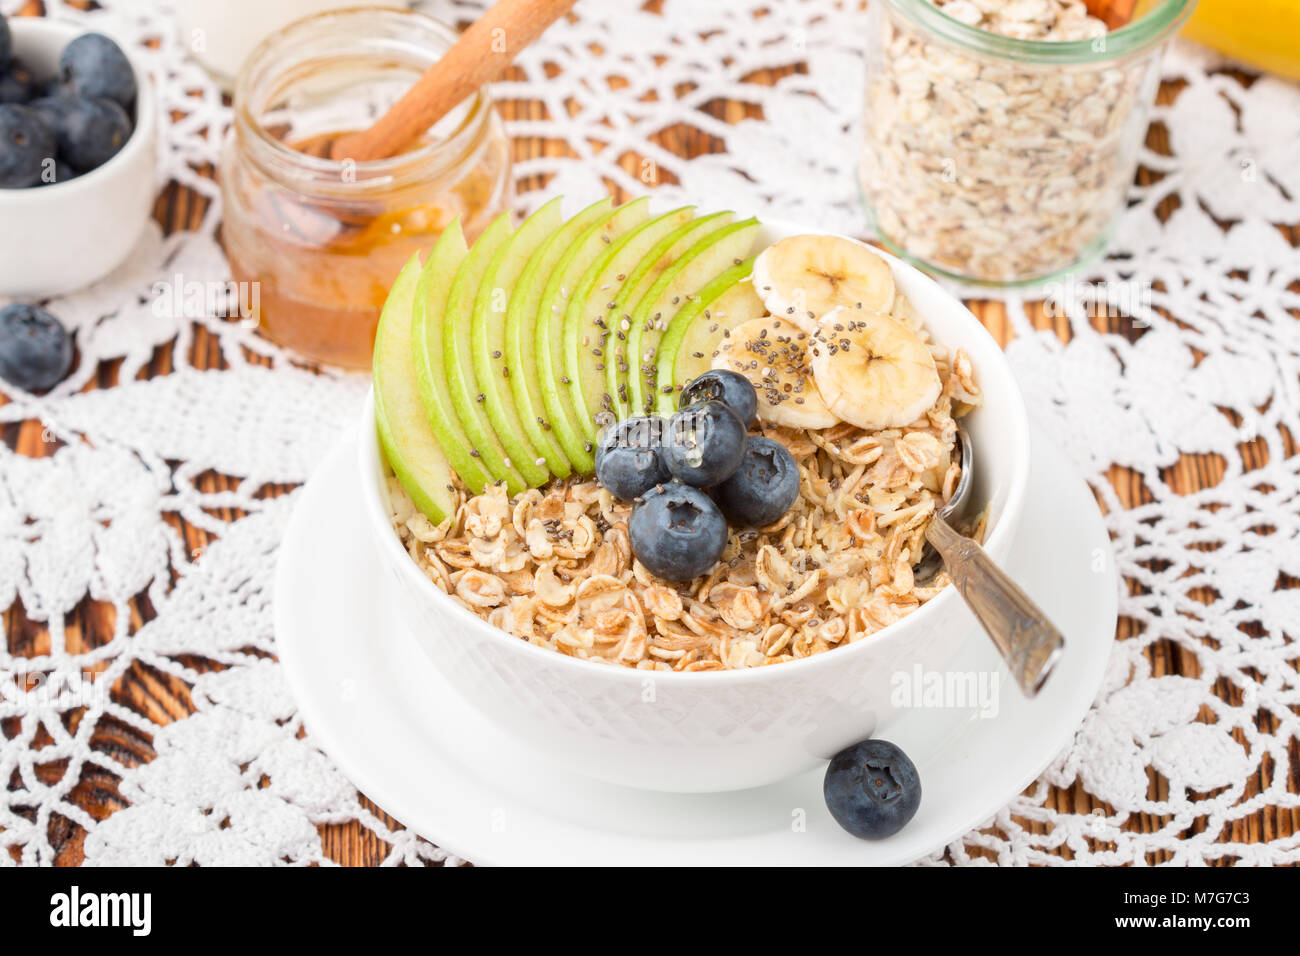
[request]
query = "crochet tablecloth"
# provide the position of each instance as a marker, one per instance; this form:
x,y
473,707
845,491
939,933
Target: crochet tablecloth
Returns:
x,y
144,718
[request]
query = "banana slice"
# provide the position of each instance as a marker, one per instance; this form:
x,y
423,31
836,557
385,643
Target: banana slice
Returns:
x,y
872,371
904,312
773,354
804,277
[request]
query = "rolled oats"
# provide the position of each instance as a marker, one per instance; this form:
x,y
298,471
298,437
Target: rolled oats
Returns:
x,y
480,589
664,603
554,566
745,610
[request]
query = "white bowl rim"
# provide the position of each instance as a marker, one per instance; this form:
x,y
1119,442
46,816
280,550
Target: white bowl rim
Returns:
x,y
141,133
369,453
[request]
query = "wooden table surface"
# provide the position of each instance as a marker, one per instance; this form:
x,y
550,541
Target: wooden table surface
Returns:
x,y
164,699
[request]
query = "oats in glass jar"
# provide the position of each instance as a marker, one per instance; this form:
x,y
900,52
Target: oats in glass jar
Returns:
x,y
1000,136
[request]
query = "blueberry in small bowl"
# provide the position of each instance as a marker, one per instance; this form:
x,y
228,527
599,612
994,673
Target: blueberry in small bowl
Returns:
x,y
17,83
705,444
63,172
26,147
94,67
73,224
35,348
88,132
629,460
677,532
872,789
763,488
723,385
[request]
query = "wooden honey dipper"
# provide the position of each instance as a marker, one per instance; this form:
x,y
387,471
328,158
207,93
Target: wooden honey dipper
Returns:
x,y
480,55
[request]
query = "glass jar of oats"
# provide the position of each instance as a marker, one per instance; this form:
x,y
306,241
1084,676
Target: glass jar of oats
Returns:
x,y
321,240
1000,136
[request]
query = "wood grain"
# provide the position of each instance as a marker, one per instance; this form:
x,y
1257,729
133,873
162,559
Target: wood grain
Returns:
x,y
162,698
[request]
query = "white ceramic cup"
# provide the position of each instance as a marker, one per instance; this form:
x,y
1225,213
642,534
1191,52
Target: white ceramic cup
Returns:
x,y
222,33
716,730
64,236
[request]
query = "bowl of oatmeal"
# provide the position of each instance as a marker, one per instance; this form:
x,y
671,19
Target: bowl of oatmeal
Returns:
x,y
534,605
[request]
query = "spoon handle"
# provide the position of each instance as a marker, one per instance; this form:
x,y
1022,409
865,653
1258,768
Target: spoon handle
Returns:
x,y
1026,639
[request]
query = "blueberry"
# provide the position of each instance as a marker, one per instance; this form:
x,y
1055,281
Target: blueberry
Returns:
x,y
628,458
872,789
26,142
62,172
723,385
51,108
677,532
35,349
705,444
89,132
17,84
6,42
94,67
51,87
763,488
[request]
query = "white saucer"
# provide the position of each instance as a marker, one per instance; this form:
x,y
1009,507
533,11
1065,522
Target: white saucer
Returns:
x,y
409,742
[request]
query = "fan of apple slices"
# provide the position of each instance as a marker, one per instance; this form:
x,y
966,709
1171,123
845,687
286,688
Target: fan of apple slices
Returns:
x,y
500,361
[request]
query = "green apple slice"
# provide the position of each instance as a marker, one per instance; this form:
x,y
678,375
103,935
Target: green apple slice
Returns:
x,y
488,340
459,362
674,289
692,339
664,253
586,320
548,336
405,436
521,321
426,355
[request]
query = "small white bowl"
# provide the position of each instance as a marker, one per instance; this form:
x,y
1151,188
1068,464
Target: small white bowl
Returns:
x,y
64,236
717,730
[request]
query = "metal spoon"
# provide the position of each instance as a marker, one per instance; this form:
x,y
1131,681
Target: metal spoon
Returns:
x,y
1026,639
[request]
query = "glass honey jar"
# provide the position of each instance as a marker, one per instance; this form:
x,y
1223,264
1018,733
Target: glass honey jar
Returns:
x,y
323,239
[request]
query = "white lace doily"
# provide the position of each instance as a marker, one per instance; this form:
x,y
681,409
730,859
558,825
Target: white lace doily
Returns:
x,y
1216,364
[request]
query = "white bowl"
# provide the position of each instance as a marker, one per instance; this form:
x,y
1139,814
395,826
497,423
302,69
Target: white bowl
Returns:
x,y
64,236
717,730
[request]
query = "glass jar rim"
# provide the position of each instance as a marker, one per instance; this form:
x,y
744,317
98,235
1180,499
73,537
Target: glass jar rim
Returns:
x,y
266,65
1132,38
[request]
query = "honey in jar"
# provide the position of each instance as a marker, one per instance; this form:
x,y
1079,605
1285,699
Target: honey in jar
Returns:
x,y
324,239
